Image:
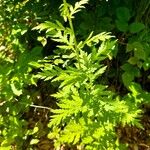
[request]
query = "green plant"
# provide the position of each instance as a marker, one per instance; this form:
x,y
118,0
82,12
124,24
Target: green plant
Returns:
x,y
101,81
87,111
15,75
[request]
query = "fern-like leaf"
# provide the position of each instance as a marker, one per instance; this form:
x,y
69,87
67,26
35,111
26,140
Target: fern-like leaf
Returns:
x,y
78,6
68,108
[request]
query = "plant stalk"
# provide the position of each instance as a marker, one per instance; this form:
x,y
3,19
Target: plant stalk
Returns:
x,y
76,50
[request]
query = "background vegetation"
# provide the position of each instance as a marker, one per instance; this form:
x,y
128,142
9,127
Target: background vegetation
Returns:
x,y
74,74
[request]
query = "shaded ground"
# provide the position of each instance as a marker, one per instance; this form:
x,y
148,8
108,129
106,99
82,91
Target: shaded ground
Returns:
x,y
138,139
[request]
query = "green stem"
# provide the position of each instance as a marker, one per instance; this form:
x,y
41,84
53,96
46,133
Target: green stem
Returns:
x,y
76,50
75,41
72,28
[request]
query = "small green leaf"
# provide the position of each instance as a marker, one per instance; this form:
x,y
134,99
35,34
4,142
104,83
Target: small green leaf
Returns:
x,y
127,78
123,14
42,40
87,140
130,47
127,67
35,130
133,60
15,90
135,88
138,48
36,51
35,64
58,61
121,25
139,53
140,64
146,65
136,27
137,45
34,141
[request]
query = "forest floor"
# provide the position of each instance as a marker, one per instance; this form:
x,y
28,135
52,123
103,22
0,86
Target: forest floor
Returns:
x,y
137,138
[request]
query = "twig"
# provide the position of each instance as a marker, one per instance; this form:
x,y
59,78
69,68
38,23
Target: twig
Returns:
x,y
144,145
42,107
36,106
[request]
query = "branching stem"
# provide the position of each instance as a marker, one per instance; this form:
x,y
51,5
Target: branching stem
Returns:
x,y
76,50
